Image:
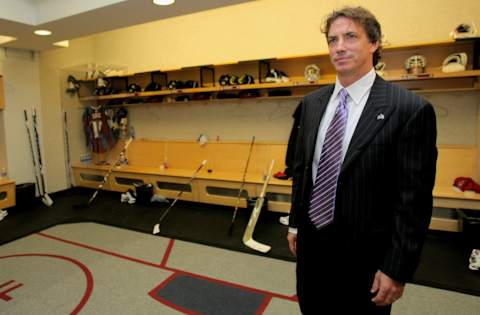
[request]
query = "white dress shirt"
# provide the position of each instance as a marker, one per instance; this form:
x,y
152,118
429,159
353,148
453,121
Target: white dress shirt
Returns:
x,y
358,94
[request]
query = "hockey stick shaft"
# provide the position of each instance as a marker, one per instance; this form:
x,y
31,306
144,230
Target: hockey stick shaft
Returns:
x,y
30,141
43,190
105,177
67,149
230,229
39,154
248,235
156,228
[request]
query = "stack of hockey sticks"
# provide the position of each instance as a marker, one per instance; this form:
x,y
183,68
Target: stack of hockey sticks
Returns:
x,y
105,178
248,235
156,227
39,170
230,229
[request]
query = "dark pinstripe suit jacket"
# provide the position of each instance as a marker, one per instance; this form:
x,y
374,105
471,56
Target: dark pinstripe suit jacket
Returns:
x,y
384,191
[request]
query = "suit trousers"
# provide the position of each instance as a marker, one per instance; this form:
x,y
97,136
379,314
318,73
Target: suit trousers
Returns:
x,y
333,277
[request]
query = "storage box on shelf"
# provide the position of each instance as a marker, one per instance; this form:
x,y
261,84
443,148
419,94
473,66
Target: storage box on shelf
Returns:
x,y
7,193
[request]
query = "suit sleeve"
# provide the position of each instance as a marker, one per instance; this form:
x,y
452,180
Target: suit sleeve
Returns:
x,y
415,177
298,168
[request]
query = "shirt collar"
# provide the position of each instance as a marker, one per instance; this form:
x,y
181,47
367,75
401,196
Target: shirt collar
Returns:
x,y
359,88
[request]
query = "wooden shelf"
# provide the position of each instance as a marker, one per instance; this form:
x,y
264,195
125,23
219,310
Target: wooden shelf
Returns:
x,y
473,74
394,56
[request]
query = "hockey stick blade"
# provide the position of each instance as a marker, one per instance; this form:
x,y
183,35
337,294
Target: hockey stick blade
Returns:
x,y
156,227
247,238
253,244
47,200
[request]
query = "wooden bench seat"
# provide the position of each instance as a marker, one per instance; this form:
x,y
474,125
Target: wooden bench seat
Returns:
x,y
218,182
7,193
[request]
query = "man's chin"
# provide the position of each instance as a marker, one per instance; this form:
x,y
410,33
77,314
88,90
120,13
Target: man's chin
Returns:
x,y
343,70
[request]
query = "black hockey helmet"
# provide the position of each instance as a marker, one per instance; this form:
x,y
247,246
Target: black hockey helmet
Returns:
x,y
134,88
175,84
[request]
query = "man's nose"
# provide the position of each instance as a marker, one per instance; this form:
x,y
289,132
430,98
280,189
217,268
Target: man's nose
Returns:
x,y
340,44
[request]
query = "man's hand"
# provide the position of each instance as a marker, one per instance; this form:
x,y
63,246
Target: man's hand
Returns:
x,y
387,290
292,243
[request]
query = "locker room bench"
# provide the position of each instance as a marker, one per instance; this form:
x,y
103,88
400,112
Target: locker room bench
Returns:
x,y
217,183
226,161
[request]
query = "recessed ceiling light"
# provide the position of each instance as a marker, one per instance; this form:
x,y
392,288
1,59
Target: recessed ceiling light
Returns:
x,y
63,43
163,2
42,32
6,39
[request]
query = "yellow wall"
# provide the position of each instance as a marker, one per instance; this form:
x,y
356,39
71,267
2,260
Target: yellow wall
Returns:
x,y
254,30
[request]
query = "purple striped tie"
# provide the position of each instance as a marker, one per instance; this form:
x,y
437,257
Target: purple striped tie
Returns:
x,y
322,203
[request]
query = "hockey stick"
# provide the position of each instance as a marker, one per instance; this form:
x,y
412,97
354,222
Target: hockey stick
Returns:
x,y
67,149
105,178
156,227
45,197
230,229
35,171
248,235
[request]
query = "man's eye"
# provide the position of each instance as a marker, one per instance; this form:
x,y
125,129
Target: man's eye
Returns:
x,y
331,40
351,36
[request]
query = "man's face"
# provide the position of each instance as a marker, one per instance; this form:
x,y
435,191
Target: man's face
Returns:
x,y
350,49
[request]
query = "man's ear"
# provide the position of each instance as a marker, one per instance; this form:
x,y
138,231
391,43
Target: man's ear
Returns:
x,y
374,46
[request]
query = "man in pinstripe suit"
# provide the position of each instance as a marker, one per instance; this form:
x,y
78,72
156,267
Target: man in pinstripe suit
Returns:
x,y
357,260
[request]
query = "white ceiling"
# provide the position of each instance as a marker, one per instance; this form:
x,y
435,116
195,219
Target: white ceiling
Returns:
x,y
69,19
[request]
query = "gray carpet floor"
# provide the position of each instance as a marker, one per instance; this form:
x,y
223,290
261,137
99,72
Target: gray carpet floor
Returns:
x,y
89,268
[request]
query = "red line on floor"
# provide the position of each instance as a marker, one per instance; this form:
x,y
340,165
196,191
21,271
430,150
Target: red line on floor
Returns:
x,y
6,283
86,271
4,294
163,264
264,305
164,267
98,250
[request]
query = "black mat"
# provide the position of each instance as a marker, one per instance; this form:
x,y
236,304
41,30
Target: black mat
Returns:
x,y
443,264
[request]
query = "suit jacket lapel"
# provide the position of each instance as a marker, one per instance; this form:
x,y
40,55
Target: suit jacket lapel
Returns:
x,y
375,113
316,113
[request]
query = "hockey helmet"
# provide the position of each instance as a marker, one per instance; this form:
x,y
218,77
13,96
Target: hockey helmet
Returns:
x,y
175,84
277,76
134,88
245,79
416,64
455,62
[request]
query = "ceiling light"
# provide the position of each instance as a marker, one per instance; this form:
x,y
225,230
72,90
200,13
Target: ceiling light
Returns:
x,y
6,39
42,32
63,43
163,2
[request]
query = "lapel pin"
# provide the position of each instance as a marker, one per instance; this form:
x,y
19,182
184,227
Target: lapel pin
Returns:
x,y
380,116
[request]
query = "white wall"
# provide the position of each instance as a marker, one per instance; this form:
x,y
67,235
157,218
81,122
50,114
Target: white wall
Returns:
x,y
22,91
